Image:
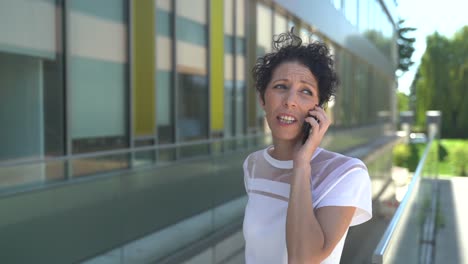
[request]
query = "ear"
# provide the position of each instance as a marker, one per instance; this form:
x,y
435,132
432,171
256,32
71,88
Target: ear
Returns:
x,y
260,101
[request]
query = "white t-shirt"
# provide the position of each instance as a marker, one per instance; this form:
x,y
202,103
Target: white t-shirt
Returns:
x,y
337,180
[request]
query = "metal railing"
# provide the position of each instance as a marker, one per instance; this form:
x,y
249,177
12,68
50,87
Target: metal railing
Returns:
x,y
129,150
26,173
411,229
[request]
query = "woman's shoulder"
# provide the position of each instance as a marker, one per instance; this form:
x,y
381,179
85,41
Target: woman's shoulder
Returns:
x,y
335,159
254,155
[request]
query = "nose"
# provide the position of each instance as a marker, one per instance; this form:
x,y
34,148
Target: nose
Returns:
x,y
290,99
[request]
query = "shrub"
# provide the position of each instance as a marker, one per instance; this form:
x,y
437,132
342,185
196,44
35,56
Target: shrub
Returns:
x,y
414,157
459,160
442,152
401,154
407,156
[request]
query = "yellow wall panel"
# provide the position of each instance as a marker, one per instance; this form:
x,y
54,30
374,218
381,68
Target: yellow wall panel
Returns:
x,y
143,67
216,65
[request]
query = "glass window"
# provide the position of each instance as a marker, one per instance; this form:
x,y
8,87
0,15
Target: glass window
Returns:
x,y
98,82
291,24
234,77
315,37
192,82
240,17
191,22
228,68
331,105
192,106
264,29
348,88
164,72
241,73
360,91
305,35
373,94
379,28
387,35
338,107
351,11
30,77
337,3
31,90
97,74
264,41
281,24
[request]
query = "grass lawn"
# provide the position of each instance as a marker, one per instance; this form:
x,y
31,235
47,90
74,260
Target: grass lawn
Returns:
x,y
445,167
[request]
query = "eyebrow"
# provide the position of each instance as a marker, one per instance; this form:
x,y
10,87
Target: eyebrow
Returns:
x,y
302,81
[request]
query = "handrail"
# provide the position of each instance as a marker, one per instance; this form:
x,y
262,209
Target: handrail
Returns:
x,y
16,162
125,150
381,248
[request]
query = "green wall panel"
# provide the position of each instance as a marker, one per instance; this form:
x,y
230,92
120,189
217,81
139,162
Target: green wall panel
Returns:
x,y
216,65
143,67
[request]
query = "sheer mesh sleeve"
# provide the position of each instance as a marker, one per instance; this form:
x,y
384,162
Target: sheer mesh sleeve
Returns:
x,y
354,189
246,174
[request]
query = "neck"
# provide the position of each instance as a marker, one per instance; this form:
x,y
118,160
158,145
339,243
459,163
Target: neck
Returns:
x,y
285,150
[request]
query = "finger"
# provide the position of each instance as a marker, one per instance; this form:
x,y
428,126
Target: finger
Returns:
x,y
312,139
321,117
319,109
313,123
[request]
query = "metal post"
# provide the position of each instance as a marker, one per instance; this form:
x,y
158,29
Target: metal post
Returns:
x,y
406,121
433,120
428,240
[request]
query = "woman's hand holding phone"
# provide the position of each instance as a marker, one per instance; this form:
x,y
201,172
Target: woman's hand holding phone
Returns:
x,y
315,126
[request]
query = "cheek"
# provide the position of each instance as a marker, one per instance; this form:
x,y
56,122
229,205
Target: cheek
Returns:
x,y
309,104
269,109
271,101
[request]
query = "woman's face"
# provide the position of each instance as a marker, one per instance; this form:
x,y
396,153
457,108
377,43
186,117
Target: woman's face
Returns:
x,y
291,93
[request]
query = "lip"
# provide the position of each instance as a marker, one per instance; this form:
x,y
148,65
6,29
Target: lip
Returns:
x,y
278,118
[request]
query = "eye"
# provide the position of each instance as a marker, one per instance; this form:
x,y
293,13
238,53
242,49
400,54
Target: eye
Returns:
x,y
307,91
280,86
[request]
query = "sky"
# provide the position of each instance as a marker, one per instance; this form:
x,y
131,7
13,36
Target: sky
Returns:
x,y
428,16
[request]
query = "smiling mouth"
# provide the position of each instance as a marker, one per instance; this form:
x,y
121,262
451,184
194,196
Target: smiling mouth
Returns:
x,y
286,119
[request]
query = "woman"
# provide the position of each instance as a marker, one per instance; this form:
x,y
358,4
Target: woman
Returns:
x,y
302,198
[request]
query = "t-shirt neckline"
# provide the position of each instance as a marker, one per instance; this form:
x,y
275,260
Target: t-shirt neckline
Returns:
x,y
282,164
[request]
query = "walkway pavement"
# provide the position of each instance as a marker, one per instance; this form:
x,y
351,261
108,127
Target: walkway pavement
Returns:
x,y
452,235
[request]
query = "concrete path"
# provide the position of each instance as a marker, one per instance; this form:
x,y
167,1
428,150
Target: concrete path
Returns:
x,y
452,235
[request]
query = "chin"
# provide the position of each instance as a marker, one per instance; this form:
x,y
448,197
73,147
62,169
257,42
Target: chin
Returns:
x,y
286,137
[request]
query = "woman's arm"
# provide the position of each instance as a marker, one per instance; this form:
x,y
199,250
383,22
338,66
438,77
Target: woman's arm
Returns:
x,y
312,235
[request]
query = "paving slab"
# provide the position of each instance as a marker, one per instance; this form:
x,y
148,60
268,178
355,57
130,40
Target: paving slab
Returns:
x,y
452,235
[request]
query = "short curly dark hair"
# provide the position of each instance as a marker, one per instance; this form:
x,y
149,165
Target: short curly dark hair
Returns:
x,y
288,48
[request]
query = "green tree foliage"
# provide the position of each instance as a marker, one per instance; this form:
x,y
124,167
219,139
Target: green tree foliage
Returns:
x,y
403,102
405,51
442,83
405,47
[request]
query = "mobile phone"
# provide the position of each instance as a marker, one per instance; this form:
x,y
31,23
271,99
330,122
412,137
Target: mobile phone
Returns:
x,y
306,127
